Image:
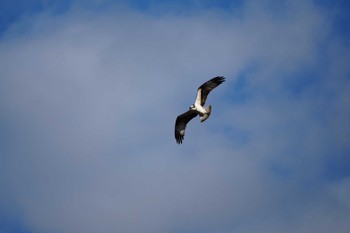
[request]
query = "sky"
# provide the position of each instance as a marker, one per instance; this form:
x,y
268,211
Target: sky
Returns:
x,y
89,94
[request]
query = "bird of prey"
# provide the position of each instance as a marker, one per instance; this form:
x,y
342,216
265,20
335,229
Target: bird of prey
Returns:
x,y
197,108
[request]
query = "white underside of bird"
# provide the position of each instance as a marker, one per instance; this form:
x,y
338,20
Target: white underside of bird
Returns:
x,y
204,112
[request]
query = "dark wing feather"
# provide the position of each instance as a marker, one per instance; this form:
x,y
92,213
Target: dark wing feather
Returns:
x,y
181,122
208,86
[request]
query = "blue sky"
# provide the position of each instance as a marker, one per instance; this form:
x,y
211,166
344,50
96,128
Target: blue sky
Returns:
x,y
89,94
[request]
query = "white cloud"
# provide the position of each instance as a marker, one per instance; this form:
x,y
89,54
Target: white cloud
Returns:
x,y
90,101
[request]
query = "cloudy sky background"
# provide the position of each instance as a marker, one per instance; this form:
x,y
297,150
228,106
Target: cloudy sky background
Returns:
x,y
89,93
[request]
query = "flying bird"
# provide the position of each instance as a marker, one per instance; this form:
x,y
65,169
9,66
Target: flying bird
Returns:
x,y
197,108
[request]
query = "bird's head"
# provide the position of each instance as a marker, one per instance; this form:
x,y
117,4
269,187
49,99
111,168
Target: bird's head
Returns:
x,y
192,107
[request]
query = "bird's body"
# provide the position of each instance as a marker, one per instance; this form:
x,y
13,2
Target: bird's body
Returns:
x,y
197,108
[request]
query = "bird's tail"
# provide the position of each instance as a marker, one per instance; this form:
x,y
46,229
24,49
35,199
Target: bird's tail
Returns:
x,y
207,114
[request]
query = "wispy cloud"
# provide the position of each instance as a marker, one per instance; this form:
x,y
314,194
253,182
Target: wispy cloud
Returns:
x,y
88,102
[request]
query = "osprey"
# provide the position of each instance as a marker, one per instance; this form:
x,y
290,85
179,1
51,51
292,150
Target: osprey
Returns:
x,y
197,108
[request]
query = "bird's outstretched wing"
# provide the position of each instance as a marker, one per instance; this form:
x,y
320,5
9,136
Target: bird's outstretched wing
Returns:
x,y
181,122
204,90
